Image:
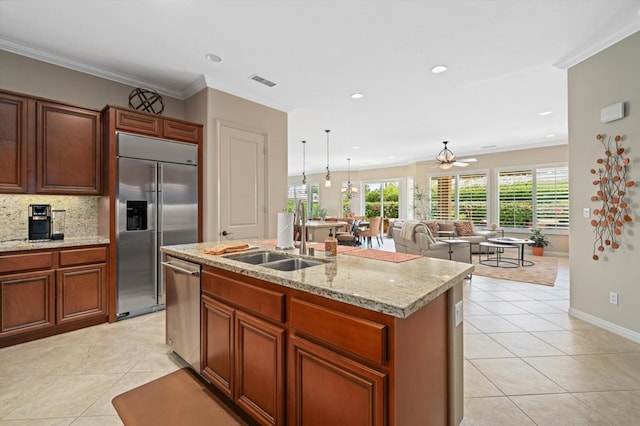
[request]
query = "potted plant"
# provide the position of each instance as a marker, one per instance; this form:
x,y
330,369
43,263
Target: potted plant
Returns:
x,y
539,242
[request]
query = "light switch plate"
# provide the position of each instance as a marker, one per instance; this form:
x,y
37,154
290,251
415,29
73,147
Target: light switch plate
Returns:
x,y
586,212
458,313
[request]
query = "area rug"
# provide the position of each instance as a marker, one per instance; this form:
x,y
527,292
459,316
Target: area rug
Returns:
x,y
341,249
543,271
179,398
387,256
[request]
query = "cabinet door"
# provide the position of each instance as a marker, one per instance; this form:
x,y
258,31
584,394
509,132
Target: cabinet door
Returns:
x,y
26,302
260,368
81,293
68,150
217,344
138,123
181,131
328,389
13,144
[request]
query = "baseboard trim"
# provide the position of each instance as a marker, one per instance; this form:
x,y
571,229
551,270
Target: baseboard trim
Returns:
x,y
609,326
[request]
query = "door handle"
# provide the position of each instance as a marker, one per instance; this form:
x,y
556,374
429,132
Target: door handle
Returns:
x,y
183,270
225,233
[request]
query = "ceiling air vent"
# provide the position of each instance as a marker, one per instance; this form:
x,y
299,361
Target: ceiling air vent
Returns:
x,y
256,77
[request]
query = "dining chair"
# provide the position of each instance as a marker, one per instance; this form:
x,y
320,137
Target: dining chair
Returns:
x,y
373,230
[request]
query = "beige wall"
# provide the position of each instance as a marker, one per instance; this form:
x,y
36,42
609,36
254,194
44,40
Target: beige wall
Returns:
x,y
330,198
609,77
36,78
221,106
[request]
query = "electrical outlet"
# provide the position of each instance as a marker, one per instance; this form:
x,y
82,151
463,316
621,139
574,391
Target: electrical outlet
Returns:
x,y
458,313
613,298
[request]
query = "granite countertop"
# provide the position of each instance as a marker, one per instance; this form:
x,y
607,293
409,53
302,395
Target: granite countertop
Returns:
x,y
22,245
396,289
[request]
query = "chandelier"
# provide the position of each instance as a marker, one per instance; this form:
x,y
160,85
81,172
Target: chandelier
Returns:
x,y
351,190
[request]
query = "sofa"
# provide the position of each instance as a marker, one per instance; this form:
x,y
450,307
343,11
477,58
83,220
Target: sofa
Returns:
x,y
460,229
415,237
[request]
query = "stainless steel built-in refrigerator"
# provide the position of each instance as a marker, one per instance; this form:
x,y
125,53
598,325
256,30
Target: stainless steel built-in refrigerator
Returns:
x,y
157,202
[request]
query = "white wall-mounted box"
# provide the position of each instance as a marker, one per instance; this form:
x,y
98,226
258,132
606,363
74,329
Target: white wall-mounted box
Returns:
x,y
612,112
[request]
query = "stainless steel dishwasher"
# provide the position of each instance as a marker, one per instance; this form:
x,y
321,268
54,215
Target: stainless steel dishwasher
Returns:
x,y
183,309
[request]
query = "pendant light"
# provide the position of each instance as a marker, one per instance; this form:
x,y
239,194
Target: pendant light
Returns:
x,y
304,176
327,182
351,190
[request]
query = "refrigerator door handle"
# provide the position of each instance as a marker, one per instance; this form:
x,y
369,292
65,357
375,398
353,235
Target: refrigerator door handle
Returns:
x,y
157,225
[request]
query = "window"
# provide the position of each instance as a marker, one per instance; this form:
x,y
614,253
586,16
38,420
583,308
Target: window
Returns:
x,y
552,197
381,199
462,196
536,197
472,198
310,195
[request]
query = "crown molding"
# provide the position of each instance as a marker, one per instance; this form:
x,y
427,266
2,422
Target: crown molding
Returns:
x,y
48,57
194,87
580,55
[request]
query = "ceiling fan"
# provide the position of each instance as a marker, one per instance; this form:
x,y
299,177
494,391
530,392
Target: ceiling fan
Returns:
x,y
446,159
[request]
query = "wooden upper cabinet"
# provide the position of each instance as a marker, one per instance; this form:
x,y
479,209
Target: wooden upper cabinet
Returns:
x,y
13,144
68,150
181,131
138,123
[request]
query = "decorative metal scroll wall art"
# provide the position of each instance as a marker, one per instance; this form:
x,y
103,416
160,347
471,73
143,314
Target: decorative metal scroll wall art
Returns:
x,y
612,194
146,100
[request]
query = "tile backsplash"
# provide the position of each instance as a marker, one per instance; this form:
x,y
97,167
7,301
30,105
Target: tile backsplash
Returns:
x,y
81,214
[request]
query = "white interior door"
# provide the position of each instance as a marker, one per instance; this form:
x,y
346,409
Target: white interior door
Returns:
x,y
242,183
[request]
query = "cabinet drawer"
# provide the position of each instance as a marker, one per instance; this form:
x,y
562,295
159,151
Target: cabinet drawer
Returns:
x,y
359,336
181,131
83,256
26,262
139,123
267,303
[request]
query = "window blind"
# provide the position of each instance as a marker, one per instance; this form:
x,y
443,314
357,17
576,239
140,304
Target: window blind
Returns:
x,y
515,199
552,197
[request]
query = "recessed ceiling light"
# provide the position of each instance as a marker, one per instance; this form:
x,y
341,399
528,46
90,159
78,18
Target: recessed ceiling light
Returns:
x,y
543,113
357,96
488,146
550,136
213,57
438,69
356,147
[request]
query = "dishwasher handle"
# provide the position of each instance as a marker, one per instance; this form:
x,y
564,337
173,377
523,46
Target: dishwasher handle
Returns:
x,y
183,270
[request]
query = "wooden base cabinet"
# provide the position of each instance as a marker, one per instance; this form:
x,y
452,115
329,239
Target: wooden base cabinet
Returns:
x,y
81,293
27,302
217,344
344,365
330,389
243,349
46,292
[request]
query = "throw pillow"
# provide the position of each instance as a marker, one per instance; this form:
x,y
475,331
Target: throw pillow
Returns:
x,y
464,228
442,226
432,225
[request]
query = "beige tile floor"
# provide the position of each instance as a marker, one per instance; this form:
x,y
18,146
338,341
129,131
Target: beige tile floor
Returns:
x,y
525,363
528,362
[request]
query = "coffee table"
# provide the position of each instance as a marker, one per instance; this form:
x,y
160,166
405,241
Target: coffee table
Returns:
x,y
498,261
516,242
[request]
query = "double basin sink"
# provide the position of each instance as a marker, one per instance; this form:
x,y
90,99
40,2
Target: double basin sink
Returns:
x,y
277,261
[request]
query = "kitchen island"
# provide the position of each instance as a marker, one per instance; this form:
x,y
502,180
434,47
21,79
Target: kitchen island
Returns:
x,y
350,341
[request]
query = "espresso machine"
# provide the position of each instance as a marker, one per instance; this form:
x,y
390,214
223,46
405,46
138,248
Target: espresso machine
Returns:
x,y
39,222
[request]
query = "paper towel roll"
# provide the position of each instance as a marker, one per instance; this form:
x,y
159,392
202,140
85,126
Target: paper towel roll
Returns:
x,y
285,231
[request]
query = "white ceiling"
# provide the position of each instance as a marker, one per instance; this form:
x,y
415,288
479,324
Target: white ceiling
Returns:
x,y
507,63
